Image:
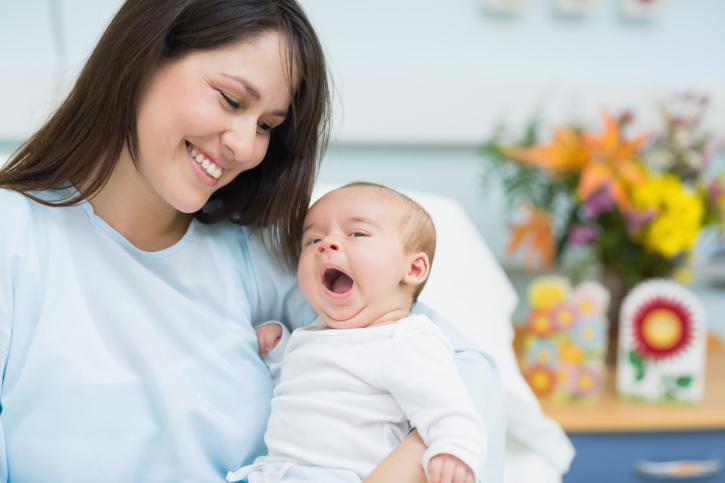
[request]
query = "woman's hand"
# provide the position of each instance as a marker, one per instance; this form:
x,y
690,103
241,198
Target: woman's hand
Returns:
x,y
403,464
446,468
268,336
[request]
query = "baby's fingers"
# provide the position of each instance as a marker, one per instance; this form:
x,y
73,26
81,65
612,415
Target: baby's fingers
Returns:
x,y
462,474
434,470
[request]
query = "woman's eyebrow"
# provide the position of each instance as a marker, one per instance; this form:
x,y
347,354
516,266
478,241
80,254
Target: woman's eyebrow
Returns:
x,y
252,91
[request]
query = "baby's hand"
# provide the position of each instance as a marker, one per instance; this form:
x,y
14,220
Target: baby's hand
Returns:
x,y
446,468
267,337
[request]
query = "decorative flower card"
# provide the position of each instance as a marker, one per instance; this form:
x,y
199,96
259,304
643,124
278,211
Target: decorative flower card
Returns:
x,y
662,343
640,9
574,7
504,6
566,338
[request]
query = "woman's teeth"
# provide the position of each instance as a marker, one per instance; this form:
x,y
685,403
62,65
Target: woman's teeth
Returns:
x,y
209,167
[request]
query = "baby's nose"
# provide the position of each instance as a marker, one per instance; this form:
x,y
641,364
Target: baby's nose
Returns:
x,y
329,244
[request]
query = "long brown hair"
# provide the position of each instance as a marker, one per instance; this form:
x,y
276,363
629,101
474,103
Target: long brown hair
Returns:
x,y
83,140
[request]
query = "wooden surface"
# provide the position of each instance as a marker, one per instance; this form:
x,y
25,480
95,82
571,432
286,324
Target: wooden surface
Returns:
x,y
611,414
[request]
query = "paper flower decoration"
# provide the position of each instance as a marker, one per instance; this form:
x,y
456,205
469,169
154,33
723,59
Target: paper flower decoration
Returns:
x,y
662,341
566,338
662,328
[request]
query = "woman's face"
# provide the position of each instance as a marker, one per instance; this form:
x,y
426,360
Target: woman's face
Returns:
x,y
208,117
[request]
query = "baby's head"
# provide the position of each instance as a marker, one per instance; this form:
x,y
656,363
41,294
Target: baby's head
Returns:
x,y
366,255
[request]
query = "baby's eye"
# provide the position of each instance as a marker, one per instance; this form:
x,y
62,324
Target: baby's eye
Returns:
x,y
357,234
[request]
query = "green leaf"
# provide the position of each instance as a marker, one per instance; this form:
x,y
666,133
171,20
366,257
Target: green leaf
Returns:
x,y
638,364
684,381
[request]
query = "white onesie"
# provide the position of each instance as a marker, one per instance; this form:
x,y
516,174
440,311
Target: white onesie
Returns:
x,y
346,398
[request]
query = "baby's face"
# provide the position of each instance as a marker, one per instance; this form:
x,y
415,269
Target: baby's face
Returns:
x,y
353,262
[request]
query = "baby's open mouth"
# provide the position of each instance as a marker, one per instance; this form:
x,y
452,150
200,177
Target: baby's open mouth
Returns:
x,y
336,281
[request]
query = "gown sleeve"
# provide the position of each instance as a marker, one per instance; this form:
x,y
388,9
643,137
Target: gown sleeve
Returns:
x,y
14,231
275,294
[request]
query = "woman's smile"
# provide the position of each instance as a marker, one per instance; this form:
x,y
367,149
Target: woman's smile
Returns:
x,y
206,167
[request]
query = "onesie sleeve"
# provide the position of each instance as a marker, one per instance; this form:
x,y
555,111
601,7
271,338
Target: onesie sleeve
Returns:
x,y
274,289
424,380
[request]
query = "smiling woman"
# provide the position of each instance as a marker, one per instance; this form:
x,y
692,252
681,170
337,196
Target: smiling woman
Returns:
x,y
126,336
138,62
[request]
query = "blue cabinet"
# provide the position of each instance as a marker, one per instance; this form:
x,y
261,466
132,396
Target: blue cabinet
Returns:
x,y
614,457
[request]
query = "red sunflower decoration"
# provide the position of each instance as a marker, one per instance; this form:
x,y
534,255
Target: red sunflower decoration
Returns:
x,y
662,327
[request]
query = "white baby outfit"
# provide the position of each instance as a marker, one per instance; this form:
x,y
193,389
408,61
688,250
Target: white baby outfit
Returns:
x,y
346,398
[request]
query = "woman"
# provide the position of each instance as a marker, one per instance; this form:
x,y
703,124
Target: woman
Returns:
x,y
126,295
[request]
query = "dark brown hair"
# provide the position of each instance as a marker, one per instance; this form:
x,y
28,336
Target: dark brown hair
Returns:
x,y
82,141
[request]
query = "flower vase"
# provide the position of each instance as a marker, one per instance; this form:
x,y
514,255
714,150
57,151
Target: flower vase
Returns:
x,y
618,288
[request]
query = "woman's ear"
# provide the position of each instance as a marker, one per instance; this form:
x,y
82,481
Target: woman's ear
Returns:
x,y
418,269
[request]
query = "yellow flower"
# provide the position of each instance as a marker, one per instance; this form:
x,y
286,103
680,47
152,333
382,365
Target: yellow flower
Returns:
x,y
572,353
679,215
548,292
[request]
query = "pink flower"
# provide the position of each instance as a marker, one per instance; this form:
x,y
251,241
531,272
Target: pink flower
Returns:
x,y
636,219
580,235
599,202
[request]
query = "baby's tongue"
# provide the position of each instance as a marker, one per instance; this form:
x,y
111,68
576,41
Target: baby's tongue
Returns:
x,y
342,284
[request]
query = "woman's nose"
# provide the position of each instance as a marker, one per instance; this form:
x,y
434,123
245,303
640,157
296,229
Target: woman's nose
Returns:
x,y
239,140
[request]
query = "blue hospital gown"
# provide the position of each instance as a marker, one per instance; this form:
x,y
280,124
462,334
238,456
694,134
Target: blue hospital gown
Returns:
x,y
122,365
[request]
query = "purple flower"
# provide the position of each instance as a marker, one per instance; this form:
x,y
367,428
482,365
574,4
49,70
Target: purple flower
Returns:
x,y
599,202
715,191
636,219
580,235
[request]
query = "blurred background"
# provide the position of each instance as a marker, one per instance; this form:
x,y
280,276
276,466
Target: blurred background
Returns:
x,y
421,85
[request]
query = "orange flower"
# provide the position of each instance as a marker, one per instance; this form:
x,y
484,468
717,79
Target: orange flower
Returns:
x,y
565,154
541,379
613,164
537,232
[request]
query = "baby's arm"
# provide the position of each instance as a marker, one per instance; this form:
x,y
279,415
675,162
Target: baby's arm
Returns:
x,y
424,380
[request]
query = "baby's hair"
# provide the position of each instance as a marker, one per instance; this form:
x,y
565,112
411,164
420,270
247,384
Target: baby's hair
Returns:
x,y
418,230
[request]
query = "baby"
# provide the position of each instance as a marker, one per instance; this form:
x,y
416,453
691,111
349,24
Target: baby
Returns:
x,y
354,382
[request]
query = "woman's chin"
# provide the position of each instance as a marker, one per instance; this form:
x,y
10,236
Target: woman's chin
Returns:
x,y
189,204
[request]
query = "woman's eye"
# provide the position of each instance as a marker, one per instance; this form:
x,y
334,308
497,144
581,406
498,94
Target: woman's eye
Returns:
x,y
264,127
313,241
232,103
357,234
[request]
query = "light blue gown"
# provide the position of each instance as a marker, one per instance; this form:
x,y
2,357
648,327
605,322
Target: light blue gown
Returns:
x,y
120,365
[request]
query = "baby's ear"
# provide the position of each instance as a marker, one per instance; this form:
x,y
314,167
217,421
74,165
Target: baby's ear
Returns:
x,y
418,269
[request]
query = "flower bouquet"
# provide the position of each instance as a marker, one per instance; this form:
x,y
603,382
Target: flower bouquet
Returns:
x,y
608,204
